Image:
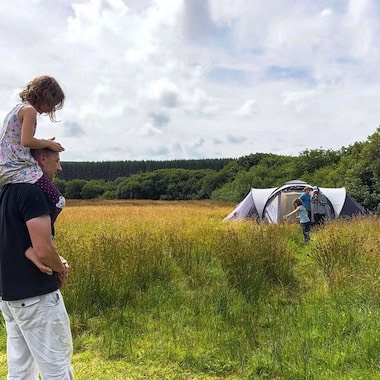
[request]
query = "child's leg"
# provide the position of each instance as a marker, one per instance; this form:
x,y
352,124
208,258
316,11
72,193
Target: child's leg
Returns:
x,y
306,231
29,253
54,195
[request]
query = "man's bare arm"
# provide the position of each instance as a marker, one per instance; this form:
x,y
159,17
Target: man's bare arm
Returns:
x,y
39,229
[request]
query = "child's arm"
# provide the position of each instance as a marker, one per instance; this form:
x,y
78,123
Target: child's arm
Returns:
x,y
28,117
291,213
37,262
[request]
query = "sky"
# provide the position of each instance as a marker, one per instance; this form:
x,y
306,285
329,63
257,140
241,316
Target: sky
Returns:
x,y
193,79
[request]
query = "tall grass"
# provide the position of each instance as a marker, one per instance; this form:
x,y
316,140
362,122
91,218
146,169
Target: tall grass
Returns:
x,y
168,291
256,259
347,251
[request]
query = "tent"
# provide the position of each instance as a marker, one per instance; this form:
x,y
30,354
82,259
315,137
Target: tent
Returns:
x,y
272,204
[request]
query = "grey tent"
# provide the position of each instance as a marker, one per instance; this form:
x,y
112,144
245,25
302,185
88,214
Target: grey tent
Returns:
x,y
272,204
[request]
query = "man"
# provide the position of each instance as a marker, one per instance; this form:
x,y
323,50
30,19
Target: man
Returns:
x,y
306,199
321,209
38,328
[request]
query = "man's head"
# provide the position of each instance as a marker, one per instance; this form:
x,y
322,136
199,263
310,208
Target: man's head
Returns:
x,y
48,161
307,189
315,189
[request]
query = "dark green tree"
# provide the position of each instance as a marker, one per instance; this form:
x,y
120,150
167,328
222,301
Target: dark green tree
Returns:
x,y
93,189
74,188
60,184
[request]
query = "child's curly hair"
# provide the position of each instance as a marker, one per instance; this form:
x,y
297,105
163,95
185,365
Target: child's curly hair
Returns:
x,y
44,90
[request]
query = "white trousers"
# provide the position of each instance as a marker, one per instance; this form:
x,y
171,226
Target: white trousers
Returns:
x,y
38,338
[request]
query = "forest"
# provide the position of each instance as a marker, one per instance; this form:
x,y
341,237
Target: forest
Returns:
x,y
356,167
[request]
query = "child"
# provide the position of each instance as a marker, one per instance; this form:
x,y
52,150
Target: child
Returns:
x,y
43,95
305,223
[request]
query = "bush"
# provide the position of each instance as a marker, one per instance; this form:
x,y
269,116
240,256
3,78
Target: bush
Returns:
x,y
74,188
92,189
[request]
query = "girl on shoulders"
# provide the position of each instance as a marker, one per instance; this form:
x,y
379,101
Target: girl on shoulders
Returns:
x,y
43,95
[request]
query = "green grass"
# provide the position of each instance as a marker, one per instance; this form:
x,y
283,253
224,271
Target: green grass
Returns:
x,y
195,298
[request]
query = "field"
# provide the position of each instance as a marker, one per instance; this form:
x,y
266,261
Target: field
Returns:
x,y
166,290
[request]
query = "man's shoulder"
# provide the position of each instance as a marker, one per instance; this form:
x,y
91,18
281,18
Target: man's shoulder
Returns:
x,y
18,185
22,191
29,199
29,188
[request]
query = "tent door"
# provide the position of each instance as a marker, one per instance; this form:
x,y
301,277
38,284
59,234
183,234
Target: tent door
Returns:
x,y
287,199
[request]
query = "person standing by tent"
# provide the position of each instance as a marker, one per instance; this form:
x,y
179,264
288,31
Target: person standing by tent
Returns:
x,y
320,207
306,199
305,223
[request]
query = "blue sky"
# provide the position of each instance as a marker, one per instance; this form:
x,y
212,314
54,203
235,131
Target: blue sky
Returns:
x,y
178,79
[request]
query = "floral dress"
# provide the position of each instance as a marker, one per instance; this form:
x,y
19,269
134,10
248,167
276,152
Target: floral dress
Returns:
x,y
16,162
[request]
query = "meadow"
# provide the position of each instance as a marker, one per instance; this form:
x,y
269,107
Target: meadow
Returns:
x,y
166,290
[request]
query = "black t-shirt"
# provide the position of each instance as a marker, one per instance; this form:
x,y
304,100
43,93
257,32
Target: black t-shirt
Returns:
x,y
19,277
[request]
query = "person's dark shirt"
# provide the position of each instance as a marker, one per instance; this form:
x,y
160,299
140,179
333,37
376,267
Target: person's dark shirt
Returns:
x,y
19,277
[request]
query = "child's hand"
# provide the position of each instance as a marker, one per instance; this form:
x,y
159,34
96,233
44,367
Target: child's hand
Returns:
x,y
54,146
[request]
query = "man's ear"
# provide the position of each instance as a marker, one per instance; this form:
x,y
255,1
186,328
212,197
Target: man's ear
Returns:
x,y
42,159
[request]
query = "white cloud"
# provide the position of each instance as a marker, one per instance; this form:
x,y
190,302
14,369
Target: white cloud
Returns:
x,y
248,109
162,91
201,104
148,129
326,12
164,79
298,99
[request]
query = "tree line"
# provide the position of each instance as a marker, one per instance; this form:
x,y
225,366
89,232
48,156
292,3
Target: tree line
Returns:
x,y
356,167
111,170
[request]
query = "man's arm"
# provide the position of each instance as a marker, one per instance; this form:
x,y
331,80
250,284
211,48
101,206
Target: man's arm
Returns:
x,y
39,229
